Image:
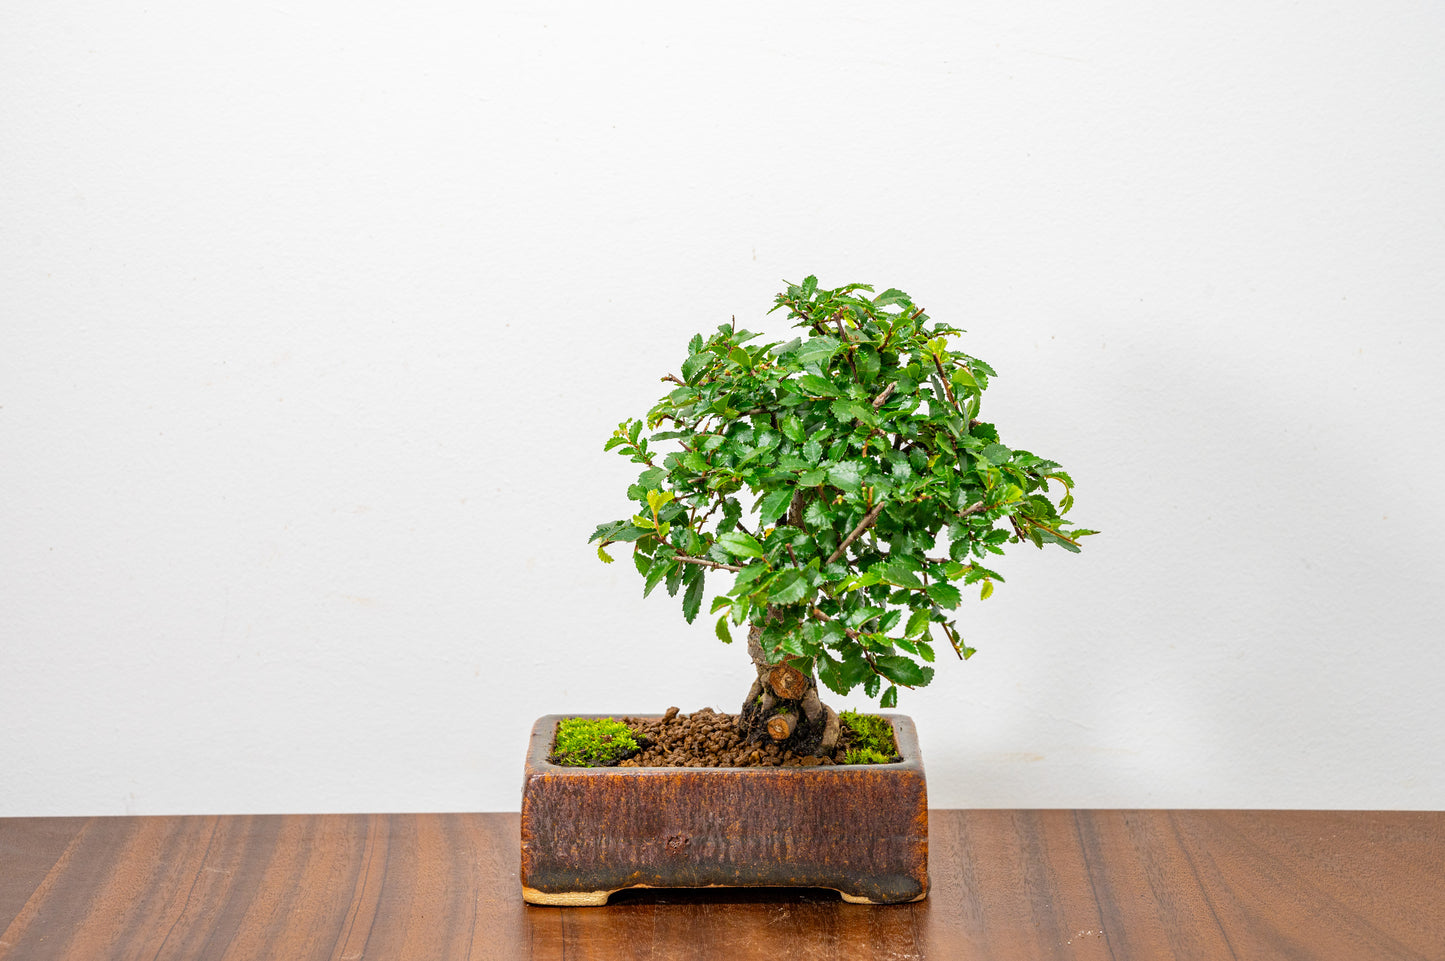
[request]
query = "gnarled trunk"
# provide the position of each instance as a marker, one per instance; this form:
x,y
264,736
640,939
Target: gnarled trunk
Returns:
x,y
783,706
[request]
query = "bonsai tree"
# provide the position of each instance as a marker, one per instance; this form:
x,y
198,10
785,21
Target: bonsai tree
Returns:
x,y
845,481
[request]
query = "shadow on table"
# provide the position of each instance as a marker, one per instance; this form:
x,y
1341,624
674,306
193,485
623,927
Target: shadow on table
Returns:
x,y
725,896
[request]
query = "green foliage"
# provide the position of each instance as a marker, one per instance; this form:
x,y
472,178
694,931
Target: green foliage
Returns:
x,y
844,477
589,742
872,738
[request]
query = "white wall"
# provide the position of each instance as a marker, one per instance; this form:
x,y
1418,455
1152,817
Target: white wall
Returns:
x,y
315,317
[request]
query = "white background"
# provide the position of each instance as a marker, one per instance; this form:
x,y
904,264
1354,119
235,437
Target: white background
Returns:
x,y
316,316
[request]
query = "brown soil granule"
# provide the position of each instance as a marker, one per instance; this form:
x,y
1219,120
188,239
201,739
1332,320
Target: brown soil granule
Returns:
x,y
706,738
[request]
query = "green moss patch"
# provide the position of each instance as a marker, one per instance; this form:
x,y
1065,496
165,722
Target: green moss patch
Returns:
x,y
591,742
869,739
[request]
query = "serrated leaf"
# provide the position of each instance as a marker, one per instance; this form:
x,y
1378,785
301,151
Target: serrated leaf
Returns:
x,y
842,676
895,573
917,623
890,697
602,555
846,410
694,366
746,577
812,478
902,670
891,296
997,454
985,591
815,515
740,544
813,450
740,357
692,600
816,351
723,634
815,386
792,428
789,588
846,477
656,574
720,602
868,364
694,461
775,504
944,595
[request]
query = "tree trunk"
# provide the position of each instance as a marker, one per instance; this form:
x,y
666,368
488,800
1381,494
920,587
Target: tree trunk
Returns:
x,y
782,706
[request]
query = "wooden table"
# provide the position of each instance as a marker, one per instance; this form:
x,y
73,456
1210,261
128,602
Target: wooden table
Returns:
x,y
1006,884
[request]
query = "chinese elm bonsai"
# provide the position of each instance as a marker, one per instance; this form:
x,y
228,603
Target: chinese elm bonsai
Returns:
x,y
845,479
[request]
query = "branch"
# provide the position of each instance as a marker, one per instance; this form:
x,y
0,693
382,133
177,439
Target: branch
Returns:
x,y
1045,527
973,508
952,636
819,615
887,392
947,384
856,638
863,525
703,561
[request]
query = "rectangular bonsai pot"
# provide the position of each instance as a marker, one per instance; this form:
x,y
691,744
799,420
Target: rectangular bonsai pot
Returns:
x,y
860,829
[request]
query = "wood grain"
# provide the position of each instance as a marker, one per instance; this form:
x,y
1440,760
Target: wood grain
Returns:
x,y
1353,886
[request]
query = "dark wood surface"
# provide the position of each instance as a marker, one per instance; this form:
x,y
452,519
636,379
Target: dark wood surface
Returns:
x,y
1361,886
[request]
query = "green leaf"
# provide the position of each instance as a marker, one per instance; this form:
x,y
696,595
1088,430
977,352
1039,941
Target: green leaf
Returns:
x,y
997,454
895,572
723,634
815,515
816,386
694,461
917,623
656,574
746,577
692,598
847,476
695,365
719,602
903,670
789,588
740,544
944,595
985,591
842,676
775,504
817,351
602,555
813,450
740,357
868,364
890,697
792,427
891,296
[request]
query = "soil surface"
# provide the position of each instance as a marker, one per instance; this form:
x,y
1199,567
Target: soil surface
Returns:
x,y
706,738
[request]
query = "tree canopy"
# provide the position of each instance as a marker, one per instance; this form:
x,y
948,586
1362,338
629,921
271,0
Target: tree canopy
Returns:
x,y
846,481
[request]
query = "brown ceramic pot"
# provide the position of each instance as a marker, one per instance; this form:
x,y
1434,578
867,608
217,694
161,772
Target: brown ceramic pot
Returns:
x,y
860,829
